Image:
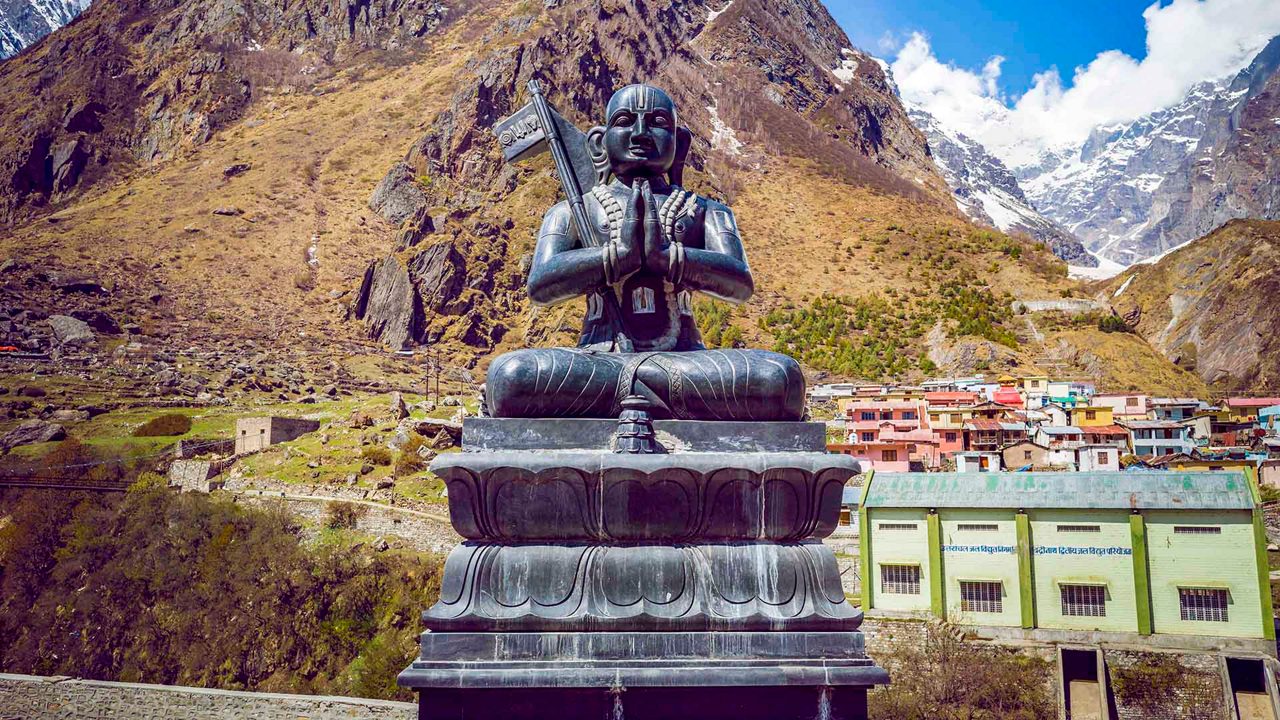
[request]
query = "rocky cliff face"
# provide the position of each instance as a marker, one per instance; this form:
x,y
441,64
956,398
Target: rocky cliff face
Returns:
x,y
989,193
1210,306
23,22
135,83
1137,189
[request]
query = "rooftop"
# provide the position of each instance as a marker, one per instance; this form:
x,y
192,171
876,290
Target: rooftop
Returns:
x,y
1252,402
1061,430
1221,490
1105,430
1152,424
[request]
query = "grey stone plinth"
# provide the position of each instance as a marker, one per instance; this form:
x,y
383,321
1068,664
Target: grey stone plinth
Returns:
x,y
515,496
676,574
585,587
642,659
487,434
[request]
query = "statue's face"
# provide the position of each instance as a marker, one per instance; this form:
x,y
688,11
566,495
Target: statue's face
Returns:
x,y
640,137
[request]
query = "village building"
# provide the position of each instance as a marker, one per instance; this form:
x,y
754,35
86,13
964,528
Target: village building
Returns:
x,y
1158,437
1175,408
1110,435
1116,556
1025,455
1034,390
259,433
1056,414
1097,457
986,435
1091,416
1269,419
972,461
1245,409
1125,406
1008,394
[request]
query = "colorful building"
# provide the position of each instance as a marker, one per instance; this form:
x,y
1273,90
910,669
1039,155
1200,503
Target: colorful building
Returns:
x,y
1175,408
1125,406
1120,556
1245,409
1158,437
1084,416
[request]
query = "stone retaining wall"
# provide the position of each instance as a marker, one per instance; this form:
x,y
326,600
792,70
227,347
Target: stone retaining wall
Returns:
x,y
417,532
50,698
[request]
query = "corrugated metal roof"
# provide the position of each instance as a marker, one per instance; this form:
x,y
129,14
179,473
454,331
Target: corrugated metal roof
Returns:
x,y
1224,490
1061,430
1105,430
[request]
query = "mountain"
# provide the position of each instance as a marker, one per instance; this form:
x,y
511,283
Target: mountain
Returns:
x,y
1210,305
988,192
322,183
1134,190
22,22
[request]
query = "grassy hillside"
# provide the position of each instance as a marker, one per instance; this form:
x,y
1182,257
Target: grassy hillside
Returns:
x,y
1211,306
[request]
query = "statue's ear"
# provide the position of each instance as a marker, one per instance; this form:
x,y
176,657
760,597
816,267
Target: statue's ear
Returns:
x,y
599,158
684,139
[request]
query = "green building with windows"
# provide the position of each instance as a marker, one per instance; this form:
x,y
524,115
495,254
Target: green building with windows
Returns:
x,y
1084,554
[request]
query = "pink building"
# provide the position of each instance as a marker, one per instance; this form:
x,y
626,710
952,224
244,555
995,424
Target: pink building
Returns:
x,y
1125,406
951,399
864,420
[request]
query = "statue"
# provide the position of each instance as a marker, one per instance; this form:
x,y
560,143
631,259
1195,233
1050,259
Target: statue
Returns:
x,y
651,245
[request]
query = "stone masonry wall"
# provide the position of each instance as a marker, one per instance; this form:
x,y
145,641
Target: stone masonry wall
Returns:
x,y
45,698
418,533
1157,686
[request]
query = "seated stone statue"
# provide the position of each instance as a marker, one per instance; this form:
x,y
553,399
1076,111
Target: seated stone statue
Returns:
x,y
656,244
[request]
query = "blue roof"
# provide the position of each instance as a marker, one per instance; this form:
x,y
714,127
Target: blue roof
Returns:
x,y
1201,490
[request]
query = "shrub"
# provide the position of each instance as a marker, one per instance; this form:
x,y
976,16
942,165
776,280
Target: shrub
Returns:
x,y
304,280
164,426
377,455
944,677
409,461
343,515
1112,323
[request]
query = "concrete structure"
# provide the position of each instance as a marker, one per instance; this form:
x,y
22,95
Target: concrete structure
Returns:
x,y
259,433
991,435
977,461
1025,454
1245,409
1097,457
1174,408
1158,437
1119,555
1269,418
1092,416
1058,414
1125,406
1112,435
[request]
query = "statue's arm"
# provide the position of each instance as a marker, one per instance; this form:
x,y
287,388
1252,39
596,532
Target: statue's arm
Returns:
x,y
720,270
561,270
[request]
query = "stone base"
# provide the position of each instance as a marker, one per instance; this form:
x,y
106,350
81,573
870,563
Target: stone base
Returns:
x,y
646,703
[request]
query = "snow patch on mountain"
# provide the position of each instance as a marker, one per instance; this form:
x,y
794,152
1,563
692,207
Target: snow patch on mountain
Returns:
x,y
23,22
987,192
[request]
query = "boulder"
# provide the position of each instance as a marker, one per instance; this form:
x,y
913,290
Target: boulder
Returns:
x,y
77,284
99,321
399,410
399,196
31,432
70,331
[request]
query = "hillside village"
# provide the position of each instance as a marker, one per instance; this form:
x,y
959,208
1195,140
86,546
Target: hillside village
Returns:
x,y
1037,423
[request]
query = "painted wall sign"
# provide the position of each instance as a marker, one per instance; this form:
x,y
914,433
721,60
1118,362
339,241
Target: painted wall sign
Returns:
x,y
1078,550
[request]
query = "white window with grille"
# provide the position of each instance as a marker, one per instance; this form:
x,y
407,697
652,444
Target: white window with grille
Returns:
x,y
1203,604
900,579
981,596
1079,528
1084,600
977,527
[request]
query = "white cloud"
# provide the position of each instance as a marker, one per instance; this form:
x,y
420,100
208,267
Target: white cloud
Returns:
x,y
1188,41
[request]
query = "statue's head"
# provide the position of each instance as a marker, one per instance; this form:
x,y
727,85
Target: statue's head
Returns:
x,y
641,137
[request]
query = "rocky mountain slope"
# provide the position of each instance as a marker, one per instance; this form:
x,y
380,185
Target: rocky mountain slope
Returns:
x,y
1210,306
315,180
1136,189
22,22
989,193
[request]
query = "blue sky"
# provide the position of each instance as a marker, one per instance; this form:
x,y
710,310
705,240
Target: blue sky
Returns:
x,y
1031,36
